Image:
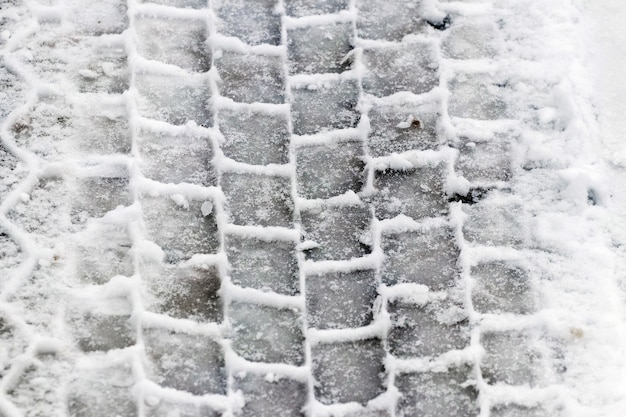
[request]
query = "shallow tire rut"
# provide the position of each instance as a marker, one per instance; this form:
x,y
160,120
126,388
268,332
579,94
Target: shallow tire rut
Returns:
x,y
266,208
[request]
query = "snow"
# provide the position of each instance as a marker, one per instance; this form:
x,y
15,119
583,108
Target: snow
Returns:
x,y
542,88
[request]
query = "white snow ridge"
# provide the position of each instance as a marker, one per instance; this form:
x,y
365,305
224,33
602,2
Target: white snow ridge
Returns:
x,y
296,208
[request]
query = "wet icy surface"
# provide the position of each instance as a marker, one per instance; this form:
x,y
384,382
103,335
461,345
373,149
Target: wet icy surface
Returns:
x,y
258,199
338,232
319,49
471,40
394,69
190,363
492,222
271,397
477,98
184,292
172,99
332,106
98,392
165,408
161,155
253,22
429,330
266,334
502,288
351,371
251,78
416,193
192,4
485,161
401,128
266,266
428,258
104,17
188,231
253,137
340,300
96,196
299,8
99,260
343,169
102,129
440,393
379,21
510,358
97,330
189,51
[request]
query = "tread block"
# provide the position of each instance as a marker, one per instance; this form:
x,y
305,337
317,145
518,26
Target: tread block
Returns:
x,y
409,68
180,231
100,18
330,170
104,129
476,97
265,266
180,42
255,138
191,363
96,196
167,408
340,300
271,397
511,358
319,49
99,260
471,40
175,100
260,200
338,231
267,334
502,287
184,292
485,161
249,78
369,413
390,133
350,371
434,394
96,330
176,159
105,63
254,22
319,108
493,223
513,410
300,8
102,392
183,4
426,257
381,19
416,193
429,330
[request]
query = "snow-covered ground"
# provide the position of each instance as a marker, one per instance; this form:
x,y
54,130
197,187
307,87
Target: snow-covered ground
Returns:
x,y
358,208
